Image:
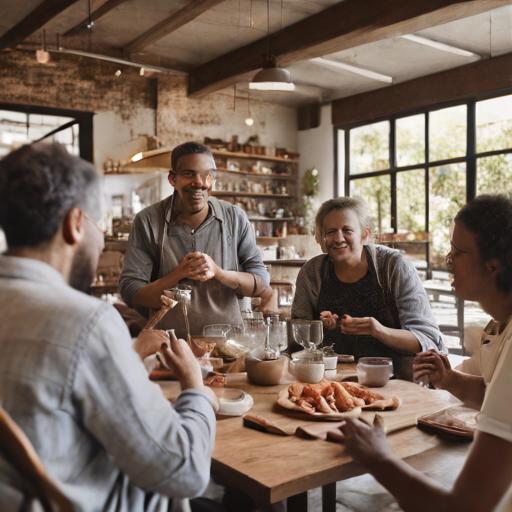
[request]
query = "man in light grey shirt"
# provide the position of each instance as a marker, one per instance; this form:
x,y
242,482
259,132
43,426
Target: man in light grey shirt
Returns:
x,y
68,375
194,239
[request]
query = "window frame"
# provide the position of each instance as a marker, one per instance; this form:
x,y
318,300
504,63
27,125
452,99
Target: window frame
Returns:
x,y
82,118
470,159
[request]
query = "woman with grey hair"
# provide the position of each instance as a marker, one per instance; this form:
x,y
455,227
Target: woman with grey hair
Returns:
x,y
369,297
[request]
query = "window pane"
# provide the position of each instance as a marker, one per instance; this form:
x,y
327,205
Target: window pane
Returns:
x,y
377,192
447,195
369,148
494,124
410,200
410,140
493,174
447,133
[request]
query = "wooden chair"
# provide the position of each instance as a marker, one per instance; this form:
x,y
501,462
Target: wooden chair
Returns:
x,y
19,452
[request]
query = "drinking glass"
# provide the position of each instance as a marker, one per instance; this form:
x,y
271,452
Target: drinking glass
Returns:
x,y
278,335
216,333
256,328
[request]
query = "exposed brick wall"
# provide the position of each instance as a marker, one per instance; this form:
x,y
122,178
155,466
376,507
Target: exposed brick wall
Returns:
x,y
73,82
86,84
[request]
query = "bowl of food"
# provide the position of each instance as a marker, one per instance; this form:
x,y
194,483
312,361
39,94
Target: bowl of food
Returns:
x,y
374,372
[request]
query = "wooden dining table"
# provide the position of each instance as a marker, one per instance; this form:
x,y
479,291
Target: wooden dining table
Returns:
x,y
271,468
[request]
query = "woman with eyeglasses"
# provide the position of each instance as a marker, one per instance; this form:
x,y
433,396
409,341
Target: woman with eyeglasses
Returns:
x,y
369,297
481,262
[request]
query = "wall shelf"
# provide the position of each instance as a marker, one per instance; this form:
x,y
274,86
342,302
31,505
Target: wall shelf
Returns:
x,y
259,174
252,156
269,219
223,193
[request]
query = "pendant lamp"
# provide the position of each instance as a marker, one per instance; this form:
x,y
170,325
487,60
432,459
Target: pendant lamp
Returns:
x,y
271,77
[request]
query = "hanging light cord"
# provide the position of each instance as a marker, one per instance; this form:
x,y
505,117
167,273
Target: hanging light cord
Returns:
x,y
91,23
268,29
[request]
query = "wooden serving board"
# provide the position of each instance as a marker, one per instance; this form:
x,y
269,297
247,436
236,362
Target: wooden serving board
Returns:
x,y
415,402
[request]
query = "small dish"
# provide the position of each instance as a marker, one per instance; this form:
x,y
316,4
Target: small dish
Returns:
x,y
233,402
345,358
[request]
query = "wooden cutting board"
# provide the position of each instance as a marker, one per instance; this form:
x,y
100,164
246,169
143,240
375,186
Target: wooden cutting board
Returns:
x,y
415,401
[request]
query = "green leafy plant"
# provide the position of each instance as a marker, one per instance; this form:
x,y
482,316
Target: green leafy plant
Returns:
x,y
310,183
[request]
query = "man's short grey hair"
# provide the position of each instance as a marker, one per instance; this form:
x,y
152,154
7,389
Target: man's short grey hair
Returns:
x,y
357,204
39,185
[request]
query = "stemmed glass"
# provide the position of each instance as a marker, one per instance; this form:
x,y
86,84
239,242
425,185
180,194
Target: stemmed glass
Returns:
x,y
309,334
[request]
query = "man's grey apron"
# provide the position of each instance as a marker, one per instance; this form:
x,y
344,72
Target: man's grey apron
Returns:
x,y
211,301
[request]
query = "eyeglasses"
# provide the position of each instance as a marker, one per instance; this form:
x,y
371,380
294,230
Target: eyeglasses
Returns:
x,y
206,176
94,222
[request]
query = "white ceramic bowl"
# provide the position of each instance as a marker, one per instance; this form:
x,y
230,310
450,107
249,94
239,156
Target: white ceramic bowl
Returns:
x,y
307,371
374,372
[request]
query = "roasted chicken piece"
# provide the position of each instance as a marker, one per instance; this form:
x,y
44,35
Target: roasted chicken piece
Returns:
x,y
328,397
360,391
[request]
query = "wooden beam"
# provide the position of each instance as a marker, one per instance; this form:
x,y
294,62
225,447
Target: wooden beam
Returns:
x,y
95,16
347,24
176,20
37,19
477,78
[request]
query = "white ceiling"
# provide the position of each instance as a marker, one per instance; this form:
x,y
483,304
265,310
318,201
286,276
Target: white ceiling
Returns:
x,y
229,26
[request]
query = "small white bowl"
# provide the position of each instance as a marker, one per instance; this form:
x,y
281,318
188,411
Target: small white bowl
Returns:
x,y
307,371
374,372
331,362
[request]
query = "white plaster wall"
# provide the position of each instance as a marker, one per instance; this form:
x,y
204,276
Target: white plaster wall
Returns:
x,y
121,139
316,148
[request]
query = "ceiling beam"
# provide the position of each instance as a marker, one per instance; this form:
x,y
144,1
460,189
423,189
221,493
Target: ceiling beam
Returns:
x,y
95,16
476,78
176,20
345,25
38,18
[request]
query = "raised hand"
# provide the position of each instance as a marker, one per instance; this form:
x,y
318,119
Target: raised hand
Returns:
x,y
364,325
364,442
150,342
180,358
329,320
198,266
433,365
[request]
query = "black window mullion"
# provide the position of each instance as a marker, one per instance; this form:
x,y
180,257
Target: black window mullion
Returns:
x,y
347,163
471,151
336,135
392,165
427,193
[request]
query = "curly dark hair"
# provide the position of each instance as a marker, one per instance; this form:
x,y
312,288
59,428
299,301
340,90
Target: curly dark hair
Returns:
x,y
188,148
489,217
39,184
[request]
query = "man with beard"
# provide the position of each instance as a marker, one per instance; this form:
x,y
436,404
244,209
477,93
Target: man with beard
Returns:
x,y
68,376
194,239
